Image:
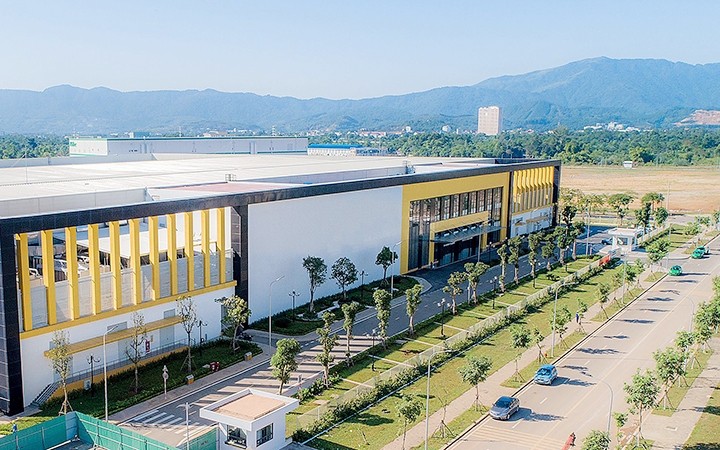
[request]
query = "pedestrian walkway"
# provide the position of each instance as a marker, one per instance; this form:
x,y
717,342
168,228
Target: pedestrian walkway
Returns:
x,y
671,432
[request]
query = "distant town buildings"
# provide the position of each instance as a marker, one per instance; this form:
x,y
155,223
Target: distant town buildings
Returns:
x,y
489,120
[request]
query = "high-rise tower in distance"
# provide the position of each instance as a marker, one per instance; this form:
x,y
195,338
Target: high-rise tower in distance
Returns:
x,y
489,120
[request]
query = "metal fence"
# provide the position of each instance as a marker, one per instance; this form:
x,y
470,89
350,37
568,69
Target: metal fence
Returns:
x,y
424,357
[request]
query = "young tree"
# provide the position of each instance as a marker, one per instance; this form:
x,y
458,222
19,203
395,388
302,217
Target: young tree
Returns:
x,y
657,250
503,253
641,394
408,410
385,259
561,320
344,273
567,214
564,240
596,440
317,273
412,303
582,309
537,338
704,324
284,360
619,203
327,341
382,305
349,310
520,341
61,359
474,372
603,296
654,199
136,346
661,215
548,252
620,421
185,307
236,316
643,215
514,256
669,365
454,287
473,272
534,243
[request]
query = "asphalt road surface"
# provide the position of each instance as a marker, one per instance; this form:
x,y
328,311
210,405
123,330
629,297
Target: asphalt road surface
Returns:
x,y
593,374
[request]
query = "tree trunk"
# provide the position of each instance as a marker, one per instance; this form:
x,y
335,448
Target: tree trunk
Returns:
x,y
282,383
412,326
234,338
137,380
454,306
347,348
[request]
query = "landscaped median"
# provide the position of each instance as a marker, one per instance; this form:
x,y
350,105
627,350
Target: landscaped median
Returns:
x,y
376,426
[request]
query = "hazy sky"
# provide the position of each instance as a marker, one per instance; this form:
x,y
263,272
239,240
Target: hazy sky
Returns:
x,y
333,49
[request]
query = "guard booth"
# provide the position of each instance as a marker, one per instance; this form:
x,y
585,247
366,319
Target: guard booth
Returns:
x,y
625,239
250,419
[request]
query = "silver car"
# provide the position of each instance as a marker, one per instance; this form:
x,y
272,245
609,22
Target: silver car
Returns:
x,y
504,408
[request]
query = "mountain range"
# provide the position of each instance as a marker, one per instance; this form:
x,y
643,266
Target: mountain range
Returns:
x,y
635,92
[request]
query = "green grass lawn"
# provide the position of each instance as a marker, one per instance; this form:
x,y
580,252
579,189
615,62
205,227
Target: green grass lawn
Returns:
x,y
380,420
289,323
680,388
120,386
705,434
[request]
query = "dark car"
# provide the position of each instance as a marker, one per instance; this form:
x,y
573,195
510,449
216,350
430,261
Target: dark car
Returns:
x,y
504,408
546,374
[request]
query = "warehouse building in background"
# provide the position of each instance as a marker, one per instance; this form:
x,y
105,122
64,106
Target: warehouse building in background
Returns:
x,y
84,245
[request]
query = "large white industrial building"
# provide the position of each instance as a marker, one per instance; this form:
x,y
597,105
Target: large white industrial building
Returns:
x,y
85,245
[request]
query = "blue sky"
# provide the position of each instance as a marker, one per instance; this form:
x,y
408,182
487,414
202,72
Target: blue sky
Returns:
x,y
333,49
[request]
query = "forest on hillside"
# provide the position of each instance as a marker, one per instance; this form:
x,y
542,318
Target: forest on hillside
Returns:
x,y
677,146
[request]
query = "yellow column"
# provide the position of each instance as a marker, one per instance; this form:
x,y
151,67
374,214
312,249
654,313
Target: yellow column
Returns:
x,y
72,275
172,251
48,266
94,254
189,251
205,219
154,256
220,244
115,266
24,278
137,290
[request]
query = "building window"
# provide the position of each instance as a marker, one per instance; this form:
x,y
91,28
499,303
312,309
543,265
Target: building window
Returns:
x,y
455,212
445,207
236,437
264,434
464,204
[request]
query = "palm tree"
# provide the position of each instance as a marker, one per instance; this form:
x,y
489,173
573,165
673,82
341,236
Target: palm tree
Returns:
x,y
503,253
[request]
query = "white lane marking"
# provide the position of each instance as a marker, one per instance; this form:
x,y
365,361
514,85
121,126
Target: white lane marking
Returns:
x,y
517,423
172,422
587,362
543,400
163,420
143,415
150,419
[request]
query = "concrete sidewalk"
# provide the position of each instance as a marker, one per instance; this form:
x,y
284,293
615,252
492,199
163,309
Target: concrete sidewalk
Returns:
x,y
492,388
202,383
671,432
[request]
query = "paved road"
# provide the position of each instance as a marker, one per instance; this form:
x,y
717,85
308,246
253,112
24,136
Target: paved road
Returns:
x,y
167,422
595,372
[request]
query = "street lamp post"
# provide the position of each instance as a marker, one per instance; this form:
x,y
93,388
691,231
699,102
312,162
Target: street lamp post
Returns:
x,y
105,367
494,292
270,304
92,360
200,325
372,335
165,377
611,398
362,284
187,424
427,398
441,304
294,294
557,289
392,269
